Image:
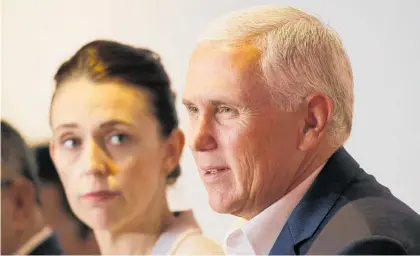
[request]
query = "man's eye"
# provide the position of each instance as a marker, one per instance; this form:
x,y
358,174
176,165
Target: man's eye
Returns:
x,y
118,139
192,109
224,109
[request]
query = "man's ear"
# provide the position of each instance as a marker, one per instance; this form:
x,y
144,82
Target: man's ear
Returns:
x,y
23,198
175,147
317,113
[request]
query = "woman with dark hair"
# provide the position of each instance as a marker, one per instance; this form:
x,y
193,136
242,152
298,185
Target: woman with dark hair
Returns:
x,y
116,146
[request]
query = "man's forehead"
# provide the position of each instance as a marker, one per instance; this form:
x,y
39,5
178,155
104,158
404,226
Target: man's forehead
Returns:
x,y
8,169
223,56
209,86
220,73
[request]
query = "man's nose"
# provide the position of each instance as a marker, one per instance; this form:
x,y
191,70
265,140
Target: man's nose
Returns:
x,y
202,135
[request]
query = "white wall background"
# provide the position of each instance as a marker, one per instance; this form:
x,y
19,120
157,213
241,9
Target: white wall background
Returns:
x,y
382,39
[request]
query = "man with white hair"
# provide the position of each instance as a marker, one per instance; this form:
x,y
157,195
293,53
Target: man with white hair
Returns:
x,y
270,100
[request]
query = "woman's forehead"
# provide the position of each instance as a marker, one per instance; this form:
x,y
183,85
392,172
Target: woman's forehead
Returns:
x,y
80,100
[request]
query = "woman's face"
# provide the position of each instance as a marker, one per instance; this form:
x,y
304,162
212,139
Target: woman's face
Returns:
x,y
109,152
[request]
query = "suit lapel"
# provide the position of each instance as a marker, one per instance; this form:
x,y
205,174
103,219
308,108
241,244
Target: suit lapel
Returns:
x,y
338,172
284,244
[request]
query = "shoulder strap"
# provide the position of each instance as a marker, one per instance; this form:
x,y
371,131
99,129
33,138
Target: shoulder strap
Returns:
x,y
169,240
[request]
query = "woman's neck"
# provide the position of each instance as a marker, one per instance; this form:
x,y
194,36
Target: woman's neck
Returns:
x,y
137,236
126,243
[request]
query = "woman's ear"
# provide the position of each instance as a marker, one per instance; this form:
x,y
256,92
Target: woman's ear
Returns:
x,y
175,147
52,151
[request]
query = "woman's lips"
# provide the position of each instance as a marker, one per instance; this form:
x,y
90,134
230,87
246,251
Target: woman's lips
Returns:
x,y
99,196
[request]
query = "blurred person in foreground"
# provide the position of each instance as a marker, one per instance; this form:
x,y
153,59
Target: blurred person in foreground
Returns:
x,y
116,146
23,228
74,236
269,94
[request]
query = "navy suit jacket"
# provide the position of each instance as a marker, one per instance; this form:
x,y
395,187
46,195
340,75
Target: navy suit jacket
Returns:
x,y
50,246
346,211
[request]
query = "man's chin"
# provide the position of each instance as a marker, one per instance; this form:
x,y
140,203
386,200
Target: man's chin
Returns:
x,y
223,205
219,208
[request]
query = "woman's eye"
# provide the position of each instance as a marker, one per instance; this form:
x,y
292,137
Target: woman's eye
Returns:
x,y
118,139
71,143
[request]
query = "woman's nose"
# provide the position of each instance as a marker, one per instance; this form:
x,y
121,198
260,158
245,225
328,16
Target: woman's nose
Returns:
x,y
96,160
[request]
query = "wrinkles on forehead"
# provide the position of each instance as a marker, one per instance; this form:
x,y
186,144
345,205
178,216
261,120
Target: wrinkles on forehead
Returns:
x,y
240,58
223,73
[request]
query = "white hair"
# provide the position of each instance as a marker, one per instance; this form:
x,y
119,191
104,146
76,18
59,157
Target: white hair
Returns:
x,y
298,55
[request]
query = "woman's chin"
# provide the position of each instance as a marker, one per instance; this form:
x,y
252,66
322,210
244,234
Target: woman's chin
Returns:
x,y
101,220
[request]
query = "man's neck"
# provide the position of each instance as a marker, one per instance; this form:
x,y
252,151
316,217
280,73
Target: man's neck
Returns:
x,y
312,161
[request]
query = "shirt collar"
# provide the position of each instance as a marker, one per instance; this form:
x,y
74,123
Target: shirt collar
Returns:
x,y
259,234
34,241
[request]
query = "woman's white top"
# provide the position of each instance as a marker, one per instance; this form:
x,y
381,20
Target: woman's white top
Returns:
x,y
183,236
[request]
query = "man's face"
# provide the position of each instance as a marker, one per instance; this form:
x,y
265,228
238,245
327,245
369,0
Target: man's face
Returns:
x,y
246,149
8,223
56,216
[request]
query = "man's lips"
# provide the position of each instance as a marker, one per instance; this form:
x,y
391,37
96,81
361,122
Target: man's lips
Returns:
x,y
213,169
213,174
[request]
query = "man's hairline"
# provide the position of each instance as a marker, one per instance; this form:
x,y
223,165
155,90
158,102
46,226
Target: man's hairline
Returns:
x,y
238,45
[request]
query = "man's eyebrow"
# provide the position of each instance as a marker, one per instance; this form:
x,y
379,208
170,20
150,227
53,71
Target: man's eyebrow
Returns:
x,y
186,102
218,102
211,102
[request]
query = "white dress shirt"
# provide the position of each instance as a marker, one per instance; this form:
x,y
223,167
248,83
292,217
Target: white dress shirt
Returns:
x,y
34,241
258,235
